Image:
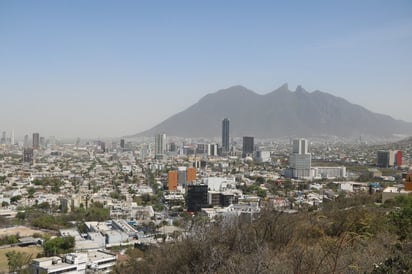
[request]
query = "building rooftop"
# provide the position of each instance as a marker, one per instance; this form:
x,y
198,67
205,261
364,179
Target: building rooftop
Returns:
x,y
95,256
396,189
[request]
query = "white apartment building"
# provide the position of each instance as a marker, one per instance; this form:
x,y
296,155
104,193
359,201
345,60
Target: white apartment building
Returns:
x,y
75,263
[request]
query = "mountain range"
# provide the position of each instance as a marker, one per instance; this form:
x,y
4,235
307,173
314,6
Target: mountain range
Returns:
x,y
277,114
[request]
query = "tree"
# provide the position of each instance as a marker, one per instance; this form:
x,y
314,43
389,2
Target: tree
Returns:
x,y
10,239
55,188
37,182
21,215
261,193
97,214
17,260
401,218
31,191
44,206
15,199
58,245
115,195
146,199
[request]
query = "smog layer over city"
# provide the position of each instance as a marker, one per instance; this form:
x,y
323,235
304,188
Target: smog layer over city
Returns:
x,y
205,137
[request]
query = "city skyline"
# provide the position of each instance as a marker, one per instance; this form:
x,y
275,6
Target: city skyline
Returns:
x,y
103,69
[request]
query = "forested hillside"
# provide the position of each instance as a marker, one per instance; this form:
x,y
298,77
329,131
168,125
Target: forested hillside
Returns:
x,y
349,235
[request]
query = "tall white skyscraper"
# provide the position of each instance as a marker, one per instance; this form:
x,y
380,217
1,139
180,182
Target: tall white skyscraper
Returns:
x,y
300,146
300,159
160,144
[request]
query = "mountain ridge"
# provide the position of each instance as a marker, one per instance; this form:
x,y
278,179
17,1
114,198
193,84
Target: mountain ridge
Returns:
x,y
280,112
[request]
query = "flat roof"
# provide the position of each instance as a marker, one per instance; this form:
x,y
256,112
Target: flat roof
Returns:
x,y
45,259
59,266
100,255
391,189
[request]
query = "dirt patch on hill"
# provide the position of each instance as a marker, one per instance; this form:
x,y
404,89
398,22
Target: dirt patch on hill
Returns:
x,y
23,231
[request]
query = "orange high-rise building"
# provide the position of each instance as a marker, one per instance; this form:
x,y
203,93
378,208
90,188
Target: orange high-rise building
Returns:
x,y
190,174
172,180
408,182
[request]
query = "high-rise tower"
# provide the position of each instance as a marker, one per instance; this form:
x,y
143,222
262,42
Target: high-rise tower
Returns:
x,y
225,135
26,141
160,144
12,137
3,137
36,141
248,146
300,159
300,146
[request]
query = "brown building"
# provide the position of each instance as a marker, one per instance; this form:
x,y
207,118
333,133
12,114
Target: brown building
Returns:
x,y
408,182
181,177
172,180
190,174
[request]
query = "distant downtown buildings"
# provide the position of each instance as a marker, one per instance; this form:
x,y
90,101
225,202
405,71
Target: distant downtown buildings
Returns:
x,y
248,146
300,159
4,140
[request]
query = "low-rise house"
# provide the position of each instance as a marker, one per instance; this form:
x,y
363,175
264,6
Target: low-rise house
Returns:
x,y
352,186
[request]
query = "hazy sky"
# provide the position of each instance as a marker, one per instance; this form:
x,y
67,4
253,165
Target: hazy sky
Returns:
x,y
111,68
